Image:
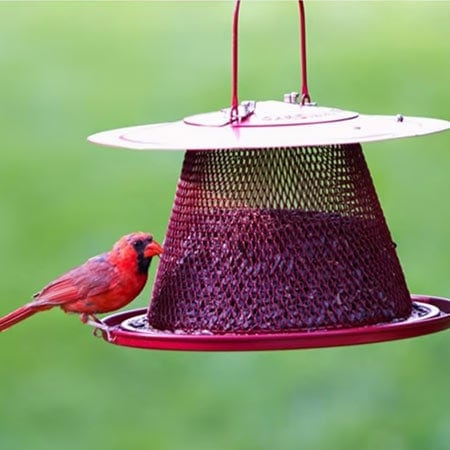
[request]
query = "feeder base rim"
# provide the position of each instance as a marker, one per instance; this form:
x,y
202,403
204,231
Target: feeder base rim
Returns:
x,y
435,317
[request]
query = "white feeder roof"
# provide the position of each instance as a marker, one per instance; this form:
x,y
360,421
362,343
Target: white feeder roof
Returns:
x,y
269,124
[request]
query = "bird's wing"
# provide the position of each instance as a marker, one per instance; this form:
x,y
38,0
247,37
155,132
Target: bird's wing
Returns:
x,y
94,277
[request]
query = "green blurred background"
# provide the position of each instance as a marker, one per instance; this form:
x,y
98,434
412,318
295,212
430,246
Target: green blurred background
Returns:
x,y
69,69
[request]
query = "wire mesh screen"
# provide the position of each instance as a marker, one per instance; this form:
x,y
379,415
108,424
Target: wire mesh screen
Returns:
x,y
277,240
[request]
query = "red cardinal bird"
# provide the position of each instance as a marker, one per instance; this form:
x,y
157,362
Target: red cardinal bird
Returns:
x,y
102,284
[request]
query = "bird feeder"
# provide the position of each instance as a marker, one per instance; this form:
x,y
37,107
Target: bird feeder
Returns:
x,y
276,239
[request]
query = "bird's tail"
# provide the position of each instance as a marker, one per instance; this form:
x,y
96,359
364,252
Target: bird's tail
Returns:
x,y
18,315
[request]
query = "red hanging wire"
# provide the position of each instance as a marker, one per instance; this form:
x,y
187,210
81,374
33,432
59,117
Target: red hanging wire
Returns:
x,y
305,98
234,62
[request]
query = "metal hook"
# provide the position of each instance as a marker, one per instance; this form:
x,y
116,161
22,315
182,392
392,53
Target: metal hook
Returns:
x,y
305,98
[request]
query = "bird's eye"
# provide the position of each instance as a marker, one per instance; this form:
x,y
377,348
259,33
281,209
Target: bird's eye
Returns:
x,y
138,243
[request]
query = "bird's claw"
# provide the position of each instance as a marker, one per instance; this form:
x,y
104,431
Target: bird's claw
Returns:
x,y
98,325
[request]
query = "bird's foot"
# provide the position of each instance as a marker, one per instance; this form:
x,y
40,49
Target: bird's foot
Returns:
x,y
99,326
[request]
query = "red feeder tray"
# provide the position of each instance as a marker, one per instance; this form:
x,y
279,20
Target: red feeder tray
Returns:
x,y
130,329
276,238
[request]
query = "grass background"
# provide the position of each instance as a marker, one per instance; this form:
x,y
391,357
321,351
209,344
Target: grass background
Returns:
x,y
69,69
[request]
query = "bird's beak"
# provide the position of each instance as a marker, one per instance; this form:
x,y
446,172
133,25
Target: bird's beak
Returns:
x,y
152,249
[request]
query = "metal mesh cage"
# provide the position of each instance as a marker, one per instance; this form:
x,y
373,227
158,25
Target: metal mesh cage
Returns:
x,y
285,239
